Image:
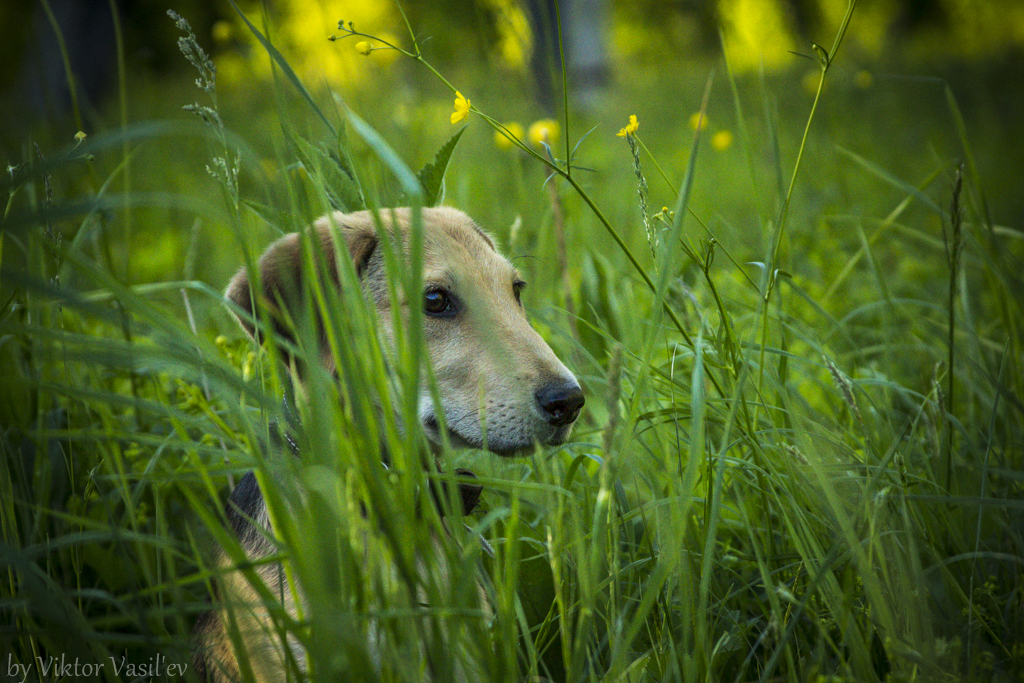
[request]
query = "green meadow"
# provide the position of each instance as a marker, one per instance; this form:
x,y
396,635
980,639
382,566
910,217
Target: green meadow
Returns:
x,y
791,288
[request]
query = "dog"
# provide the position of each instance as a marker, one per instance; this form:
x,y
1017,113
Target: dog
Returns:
x,y
501,387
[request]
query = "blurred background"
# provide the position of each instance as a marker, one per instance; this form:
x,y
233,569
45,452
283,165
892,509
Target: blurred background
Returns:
x,y
887,97
609,43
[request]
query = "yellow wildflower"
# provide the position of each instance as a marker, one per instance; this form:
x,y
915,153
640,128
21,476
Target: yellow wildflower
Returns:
x,y
698,119
630,127
721,141
79,136
515,129
364,48
545,130
461,107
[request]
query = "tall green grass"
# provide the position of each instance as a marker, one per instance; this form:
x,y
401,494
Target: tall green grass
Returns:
x,y
776,477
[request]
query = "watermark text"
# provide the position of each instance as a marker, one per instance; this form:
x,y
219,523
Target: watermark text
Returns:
x,y
69,668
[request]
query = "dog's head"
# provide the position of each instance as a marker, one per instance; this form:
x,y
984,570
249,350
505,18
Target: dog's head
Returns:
x,y
501,386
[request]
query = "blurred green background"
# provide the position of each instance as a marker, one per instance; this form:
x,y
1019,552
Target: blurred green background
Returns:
x,y
886,98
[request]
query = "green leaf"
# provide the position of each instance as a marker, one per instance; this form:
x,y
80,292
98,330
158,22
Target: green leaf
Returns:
x,y
431,176
387,155
276,218
891,179
345,164
340,185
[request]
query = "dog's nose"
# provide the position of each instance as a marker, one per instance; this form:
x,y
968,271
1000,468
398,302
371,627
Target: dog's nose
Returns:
x,y
560,403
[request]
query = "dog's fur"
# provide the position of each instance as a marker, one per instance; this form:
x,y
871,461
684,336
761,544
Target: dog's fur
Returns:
x,y
501,387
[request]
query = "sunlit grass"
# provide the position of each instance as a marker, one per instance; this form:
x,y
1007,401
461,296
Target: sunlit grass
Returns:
x,y
799,459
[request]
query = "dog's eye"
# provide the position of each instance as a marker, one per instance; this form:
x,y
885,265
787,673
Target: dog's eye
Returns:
x,y
438,304
517,288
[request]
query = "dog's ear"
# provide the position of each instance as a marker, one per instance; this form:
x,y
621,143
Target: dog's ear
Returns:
x,y
281,270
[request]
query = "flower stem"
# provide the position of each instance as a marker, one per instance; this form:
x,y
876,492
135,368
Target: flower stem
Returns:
x,y
664,177
565,90
768,277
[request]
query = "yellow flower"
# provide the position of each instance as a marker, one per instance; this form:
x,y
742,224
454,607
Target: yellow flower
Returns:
x,y
545,130
630,127
721,141
364,48
515,129
698,119
461,107
79,136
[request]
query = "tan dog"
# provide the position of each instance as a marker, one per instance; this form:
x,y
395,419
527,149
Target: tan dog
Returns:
x,y
501,387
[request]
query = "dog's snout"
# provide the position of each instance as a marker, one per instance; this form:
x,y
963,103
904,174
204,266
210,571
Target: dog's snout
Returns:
x,y
560,403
